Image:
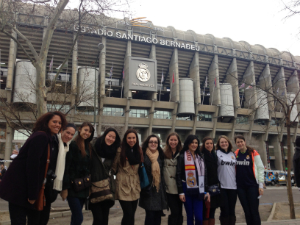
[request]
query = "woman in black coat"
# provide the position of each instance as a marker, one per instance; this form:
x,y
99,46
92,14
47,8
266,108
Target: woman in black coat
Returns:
x,y
24,178
211,163
153,198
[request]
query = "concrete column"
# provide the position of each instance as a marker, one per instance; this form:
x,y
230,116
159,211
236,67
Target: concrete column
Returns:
x,y
102,65
232,78
231,134
215,121
277,153
293,86
213,75
265,84
74,77
127,92
280,89
250,94
8,143
174,115
154,95
174,69
195,75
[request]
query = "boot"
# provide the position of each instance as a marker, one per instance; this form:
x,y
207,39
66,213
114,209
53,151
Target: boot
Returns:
x,y
224,220
211,222
232,220
205,222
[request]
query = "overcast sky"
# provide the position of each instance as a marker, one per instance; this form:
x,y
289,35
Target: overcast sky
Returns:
x,y
254,21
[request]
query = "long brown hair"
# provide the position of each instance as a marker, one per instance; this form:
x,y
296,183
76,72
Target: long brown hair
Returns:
x,y
125,146
42,122
227,139
243,138
80,141
203,143
167,150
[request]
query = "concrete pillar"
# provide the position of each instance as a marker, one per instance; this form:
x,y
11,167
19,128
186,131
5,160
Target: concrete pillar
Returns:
x,y
280,89
174,69
215,121
265,84
8,143
154,95
127,92
74,77
102,65
232,132
250,94
293,87
233,79
174,115
277,153
195,76
214,89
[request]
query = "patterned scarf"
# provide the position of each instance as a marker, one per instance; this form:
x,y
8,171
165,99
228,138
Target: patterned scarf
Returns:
x,y
155,169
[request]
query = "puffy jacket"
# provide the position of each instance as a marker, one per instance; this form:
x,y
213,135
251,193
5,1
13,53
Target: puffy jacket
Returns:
x,y
258,167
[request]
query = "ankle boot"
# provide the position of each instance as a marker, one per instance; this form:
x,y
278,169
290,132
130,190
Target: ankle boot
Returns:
x,y
211,222
224,220
232,220
205,222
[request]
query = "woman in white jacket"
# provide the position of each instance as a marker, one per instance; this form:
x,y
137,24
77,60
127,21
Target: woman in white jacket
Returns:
x,y
249,179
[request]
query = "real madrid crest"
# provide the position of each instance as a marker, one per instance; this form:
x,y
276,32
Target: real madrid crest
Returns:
x,y
191,180
143,74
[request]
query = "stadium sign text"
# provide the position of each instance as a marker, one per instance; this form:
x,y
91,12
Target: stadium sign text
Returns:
x,y
134,37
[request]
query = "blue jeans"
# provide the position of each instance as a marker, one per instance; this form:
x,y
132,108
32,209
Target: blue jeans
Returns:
x,y
76,205
248,198
193,207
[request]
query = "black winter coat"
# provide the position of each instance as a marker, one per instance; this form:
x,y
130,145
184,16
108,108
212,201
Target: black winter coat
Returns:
x,y
180,173
154,201
296,162
211,163
24,177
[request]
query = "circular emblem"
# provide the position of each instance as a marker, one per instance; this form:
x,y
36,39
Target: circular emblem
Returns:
x,y
247,157
191,180
143,74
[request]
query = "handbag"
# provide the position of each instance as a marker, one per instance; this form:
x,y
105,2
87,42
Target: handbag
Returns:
x,y
103,190
214,190
80,184
40,202
144,181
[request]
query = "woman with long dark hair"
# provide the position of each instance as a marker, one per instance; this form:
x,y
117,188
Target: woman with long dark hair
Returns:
x,y
105,151
128,181
78,167
24,178
154,201
171,153
227,178
190,177
211,162
249,179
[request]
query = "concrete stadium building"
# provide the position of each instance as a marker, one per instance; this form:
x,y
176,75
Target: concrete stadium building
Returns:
x,y
211,86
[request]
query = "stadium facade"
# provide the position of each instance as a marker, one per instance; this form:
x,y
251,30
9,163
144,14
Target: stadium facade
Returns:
x,y
158,80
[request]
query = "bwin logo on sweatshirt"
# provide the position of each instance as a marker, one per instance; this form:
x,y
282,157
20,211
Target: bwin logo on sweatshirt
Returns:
x,y
243,163
227,163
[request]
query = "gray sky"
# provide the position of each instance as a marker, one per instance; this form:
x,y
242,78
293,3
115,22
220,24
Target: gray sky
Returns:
x,y
256,21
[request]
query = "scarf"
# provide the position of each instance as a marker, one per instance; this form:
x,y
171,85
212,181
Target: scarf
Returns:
x,y
133,156
60,165
155,169
107,152
191,175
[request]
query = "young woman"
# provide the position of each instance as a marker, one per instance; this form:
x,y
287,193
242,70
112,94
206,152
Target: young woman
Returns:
x,y
78,166
106,148
155,200
227,178
24,178
190,177
171,153
211,163
249,179
128,181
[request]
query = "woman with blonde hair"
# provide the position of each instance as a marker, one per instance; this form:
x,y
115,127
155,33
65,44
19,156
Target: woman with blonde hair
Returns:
x,y
227,178
171,154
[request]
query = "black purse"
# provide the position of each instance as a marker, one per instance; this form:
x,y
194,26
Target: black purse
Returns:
x,y
214,190
80,184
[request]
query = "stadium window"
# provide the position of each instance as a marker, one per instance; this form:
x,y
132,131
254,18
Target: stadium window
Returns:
x,y
204,117
162,115
113,111
86,111
242,120
275,122
184,118
58,107
138,113
20,135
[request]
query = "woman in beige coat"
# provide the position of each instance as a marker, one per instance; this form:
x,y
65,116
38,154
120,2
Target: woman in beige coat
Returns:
x,y
171,153
128,186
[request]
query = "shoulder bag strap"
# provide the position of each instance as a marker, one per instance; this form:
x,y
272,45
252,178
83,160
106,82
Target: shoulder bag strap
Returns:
x,y
47,165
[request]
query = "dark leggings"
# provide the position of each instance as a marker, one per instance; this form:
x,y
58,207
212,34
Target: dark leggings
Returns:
x,y
18,215
129,208
228,201
100,213
175,206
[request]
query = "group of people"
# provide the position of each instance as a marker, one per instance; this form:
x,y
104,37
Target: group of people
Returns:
x,y
200,178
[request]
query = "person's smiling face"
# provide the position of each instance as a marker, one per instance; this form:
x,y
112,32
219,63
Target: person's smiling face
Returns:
x,y
110,138
54,124
131,139
85,132
67,134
